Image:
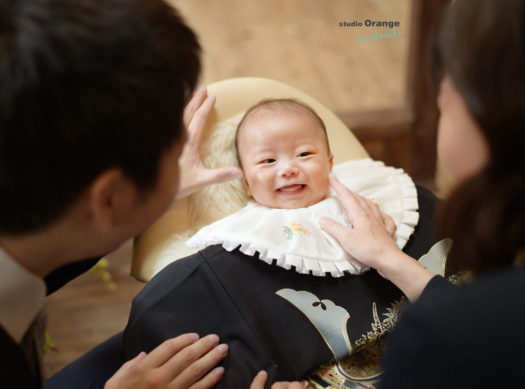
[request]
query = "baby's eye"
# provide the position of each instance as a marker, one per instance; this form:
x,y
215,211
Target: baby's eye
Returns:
x,y
305,154
267,161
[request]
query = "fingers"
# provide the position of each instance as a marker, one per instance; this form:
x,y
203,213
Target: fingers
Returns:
x,y
198,359
184,360
126,368
288,385
132,362
348,199
195,102
357,207
259,380
389,224
197,124
261,377
160,355
372,208
210,380
337,230
223,174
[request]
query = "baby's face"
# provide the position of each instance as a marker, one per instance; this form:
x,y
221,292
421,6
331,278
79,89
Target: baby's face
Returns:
x,y
285,159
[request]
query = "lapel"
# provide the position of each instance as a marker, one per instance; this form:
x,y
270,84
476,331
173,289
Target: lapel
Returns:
x,y
21,364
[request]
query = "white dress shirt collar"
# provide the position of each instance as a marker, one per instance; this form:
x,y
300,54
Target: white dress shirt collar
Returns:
x,y
21,296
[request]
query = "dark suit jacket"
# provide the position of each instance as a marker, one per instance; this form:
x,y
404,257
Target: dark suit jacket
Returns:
x,y
14,368
234,296
21,364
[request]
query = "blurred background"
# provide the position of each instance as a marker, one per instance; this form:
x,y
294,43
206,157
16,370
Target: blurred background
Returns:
x,y
380,88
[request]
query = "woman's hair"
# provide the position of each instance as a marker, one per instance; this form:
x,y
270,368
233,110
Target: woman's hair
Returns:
x,y
480,45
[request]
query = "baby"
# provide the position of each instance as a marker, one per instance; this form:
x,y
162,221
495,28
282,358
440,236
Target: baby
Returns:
x,y
283,150
285,322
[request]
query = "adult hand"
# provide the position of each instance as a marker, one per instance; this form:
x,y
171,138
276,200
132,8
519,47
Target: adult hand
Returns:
x,y
369,241
181,362
261,377
193,175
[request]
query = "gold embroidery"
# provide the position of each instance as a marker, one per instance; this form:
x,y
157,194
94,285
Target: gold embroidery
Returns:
x,y
299,228
463,277
361,369
379,328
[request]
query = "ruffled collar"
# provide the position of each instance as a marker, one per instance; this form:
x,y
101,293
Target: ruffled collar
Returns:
x,y
292,239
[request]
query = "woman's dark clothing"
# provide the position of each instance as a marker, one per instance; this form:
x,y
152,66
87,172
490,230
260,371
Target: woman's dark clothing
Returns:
x,y
469,336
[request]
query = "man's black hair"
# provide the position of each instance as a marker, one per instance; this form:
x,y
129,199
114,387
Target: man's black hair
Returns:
x,y
86,85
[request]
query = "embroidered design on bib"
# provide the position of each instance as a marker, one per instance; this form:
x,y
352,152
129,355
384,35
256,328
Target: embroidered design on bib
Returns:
x,y
289,232
294,227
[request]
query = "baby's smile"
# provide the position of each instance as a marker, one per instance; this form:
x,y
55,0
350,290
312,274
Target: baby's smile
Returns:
x,y
291,189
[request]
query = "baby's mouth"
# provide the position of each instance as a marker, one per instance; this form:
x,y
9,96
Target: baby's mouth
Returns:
x,y
291,188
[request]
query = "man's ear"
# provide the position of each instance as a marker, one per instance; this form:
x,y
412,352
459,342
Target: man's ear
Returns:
x,y
331,161
111,194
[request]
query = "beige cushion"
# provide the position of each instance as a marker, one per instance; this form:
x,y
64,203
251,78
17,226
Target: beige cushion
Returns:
x,y
234,97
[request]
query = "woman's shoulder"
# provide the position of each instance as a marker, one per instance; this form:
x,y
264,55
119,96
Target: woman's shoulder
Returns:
x,y
493,287
492,299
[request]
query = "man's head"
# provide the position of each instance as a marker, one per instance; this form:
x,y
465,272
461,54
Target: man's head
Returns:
x,y
88,89
283,150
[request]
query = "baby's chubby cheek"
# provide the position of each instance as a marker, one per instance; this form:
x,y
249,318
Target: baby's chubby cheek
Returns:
x,y
318,196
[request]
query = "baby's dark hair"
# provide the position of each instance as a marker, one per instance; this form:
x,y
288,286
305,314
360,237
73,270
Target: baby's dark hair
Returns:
x,y
278,106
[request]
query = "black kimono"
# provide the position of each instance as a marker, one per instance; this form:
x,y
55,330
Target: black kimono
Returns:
x,y
271,318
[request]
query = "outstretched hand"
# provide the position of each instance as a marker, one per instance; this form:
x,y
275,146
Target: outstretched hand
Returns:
x,y
370,241
193,175
181,362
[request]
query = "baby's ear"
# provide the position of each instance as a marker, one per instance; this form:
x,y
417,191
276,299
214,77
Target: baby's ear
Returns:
x,y
331,161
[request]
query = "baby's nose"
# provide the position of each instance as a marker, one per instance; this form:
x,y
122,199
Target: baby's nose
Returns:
x,y
288,169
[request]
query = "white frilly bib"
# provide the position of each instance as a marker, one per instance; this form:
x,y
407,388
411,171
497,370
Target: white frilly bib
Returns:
x,y
292,238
